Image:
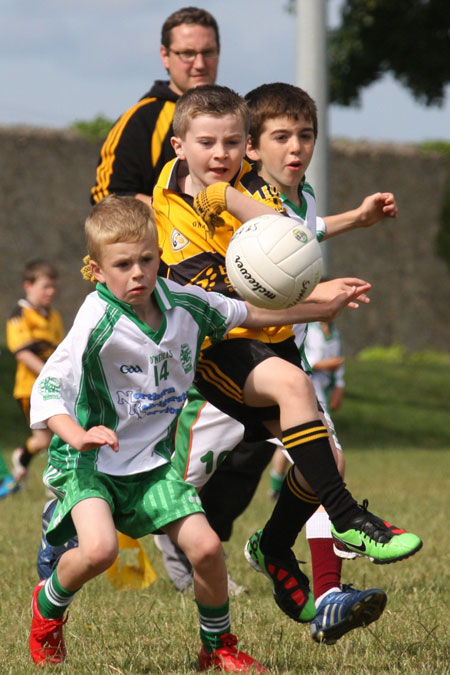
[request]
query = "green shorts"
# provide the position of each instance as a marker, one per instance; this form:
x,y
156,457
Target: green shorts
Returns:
x,y
140,504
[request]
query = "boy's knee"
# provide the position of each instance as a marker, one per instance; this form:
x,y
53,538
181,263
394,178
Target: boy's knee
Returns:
x,y
208,551
101,555
293,389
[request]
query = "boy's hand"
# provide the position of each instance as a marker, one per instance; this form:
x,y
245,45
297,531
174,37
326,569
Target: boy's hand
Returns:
x,y
209,203
376,207
336,398
95,437
346,299
327,291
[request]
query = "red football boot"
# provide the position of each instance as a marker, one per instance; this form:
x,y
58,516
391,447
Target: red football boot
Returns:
x,y
46,636
229,659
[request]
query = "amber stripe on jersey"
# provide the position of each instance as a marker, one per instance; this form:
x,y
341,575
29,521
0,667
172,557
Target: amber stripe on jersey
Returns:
x,y
298,491
212,374
305,436
162,126
104,169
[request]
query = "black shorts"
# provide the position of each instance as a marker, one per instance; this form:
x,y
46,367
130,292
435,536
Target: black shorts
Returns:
x,y
222,372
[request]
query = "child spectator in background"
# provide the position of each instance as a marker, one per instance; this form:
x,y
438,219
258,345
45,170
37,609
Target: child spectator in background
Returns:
x,y
33,331
323,349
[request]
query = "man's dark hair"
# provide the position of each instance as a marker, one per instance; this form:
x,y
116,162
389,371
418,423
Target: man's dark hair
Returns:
x,y
192,15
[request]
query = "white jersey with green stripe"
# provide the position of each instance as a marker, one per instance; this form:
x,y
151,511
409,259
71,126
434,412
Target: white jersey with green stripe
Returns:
x,y
114,370
306,215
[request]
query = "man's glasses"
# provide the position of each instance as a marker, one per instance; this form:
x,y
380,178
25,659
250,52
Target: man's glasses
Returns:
x,y
189,55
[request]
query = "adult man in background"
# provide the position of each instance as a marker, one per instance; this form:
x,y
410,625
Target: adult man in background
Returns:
x,y
138,145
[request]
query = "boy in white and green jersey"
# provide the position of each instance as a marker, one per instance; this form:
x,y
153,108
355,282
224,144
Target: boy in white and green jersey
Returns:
x,y
111,394
283,132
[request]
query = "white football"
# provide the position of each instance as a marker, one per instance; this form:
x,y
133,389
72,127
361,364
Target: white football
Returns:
x,y
274,262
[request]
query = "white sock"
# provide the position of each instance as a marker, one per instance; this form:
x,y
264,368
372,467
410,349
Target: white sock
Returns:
x,y
318,526
335,589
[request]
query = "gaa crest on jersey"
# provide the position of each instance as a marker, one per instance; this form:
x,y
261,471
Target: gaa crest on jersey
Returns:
x,y
186,358
178,241
50,387
300,235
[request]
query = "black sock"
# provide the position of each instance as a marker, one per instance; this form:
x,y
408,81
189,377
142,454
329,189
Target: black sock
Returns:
x,y
25,457
293,508
310,450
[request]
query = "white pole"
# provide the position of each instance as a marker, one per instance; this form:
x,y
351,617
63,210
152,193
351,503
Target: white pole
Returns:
x,y
312,76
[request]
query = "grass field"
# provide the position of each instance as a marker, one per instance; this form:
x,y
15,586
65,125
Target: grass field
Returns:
x,y
396,433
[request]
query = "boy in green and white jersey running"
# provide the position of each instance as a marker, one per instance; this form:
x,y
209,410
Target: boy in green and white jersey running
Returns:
x,y
111,394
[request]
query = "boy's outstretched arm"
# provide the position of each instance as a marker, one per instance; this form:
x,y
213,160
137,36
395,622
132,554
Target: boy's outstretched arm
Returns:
x,y
82,439
213,200
305,311
372,209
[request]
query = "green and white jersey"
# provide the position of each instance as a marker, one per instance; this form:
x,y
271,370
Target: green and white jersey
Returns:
x,y
113,369
307,213
307,216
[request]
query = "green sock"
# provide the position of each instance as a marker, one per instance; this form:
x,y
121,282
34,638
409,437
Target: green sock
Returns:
x,y
276,480
53,598
4,471
214,622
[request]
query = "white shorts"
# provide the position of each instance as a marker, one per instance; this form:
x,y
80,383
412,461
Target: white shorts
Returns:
x,y
205,436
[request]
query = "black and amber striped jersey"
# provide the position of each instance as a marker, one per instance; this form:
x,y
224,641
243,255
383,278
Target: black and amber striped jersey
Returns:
x,y
192,255
41,333
138,146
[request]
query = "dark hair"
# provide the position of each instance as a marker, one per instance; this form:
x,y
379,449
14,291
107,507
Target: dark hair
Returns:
x,y
192,15
39,268
277,100
208,99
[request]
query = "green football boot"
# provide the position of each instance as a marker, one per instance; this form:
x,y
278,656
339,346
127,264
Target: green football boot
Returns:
x,y
370,536
290,586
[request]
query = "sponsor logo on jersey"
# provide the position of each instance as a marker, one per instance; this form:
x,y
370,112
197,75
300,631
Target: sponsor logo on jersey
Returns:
x,y
160,357
142,405
212,278
130,369
178,241
50,387
186,358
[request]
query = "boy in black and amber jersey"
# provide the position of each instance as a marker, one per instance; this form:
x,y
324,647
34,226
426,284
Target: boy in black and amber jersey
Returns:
x,y
199,202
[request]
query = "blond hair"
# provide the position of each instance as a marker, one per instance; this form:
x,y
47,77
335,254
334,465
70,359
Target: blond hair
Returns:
x,y
208,99
118,219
